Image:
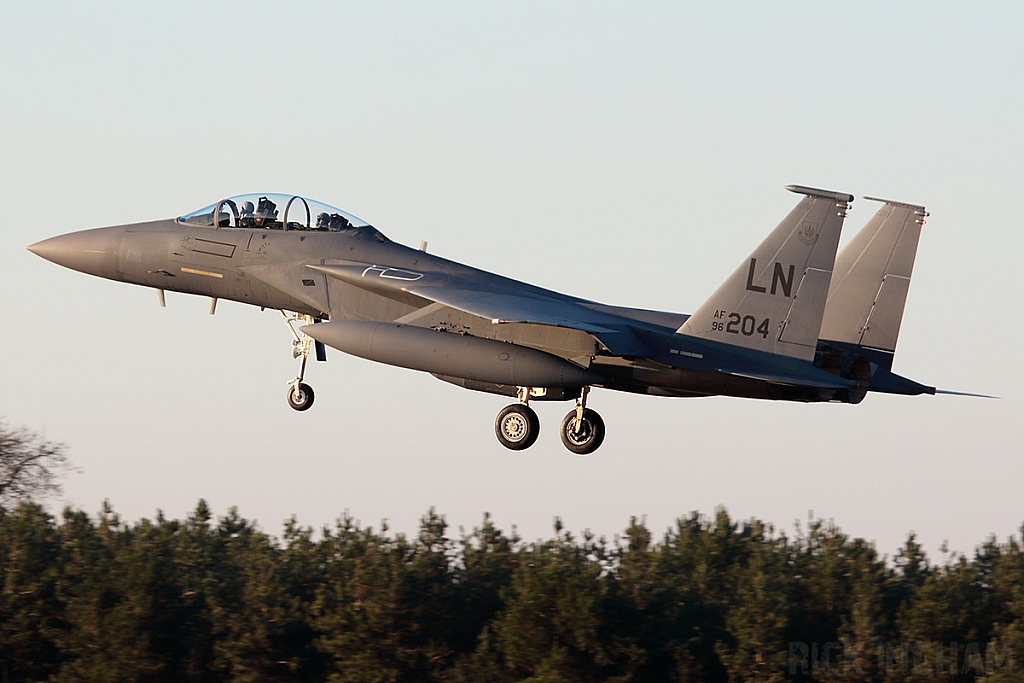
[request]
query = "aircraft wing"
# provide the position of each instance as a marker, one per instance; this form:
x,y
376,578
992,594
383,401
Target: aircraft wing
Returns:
x,y
509,307
501,307
495,303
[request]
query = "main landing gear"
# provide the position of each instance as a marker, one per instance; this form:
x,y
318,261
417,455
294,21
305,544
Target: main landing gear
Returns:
x,y
517,426
300,394
582,430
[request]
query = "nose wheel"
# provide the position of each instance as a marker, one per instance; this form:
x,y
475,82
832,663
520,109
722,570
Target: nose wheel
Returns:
x,y
300,394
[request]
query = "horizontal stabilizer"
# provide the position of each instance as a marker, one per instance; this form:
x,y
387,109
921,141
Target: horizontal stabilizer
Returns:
x,y
885,381
872,277
835,382
774,300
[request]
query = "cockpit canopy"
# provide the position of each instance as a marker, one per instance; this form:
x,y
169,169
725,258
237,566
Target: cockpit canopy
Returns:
x,y
272,211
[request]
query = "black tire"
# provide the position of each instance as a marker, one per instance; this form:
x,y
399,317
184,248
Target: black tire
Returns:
x,y
591,436
302,399
517,427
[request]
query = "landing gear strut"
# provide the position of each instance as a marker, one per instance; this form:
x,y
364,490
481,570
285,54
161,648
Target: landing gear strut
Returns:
x,y
300,394
582,430
517,426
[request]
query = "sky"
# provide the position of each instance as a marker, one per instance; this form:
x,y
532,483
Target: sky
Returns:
x,y
629,153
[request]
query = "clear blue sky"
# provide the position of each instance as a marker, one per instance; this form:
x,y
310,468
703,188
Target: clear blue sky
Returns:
x,y
632,153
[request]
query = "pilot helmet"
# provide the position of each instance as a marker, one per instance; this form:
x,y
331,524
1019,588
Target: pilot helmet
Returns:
x,y
247,208
323,220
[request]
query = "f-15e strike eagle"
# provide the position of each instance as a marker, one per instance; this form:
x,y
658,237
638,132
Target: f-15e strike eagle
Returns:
x,y
794,322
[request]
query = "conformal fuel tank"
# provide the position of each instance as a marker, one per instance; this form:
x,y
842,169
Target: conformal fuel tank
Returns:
x,y
448,353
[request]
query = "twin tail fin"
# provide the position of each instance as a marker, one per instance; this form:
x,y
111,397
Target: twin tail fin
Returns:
x,y
775,299
872,277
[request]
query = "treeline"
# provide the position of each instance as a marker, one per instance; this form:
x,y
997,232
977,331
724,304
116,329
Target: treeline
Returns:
x,y
96,599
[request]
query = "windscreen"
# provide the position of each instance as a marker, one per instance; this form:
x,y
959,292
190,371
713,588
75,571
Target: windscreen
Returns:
x,y
273,211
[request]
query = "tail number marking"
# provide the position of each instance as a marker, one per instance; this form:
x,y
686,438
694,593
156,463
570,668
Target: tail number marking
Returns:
x,y
780,279
734,323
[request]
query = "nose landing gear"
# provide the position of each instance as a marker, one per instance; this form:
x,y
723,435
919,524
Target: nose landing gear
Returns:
x,y
517,426
300,394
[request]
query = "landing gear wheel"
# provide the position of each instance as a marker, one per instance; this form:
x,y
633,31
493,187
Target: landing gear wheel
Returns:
x,y
588,438
517,427
300,397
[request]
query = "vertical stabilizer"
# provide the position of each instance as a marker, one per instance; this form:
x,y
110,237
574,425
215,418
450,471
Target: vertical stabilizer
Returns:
x,y
774,301
872,278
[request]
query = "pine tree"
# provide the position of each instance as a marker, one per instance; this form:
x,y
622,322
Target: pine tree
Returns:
x,y
549,627
106,603
756,619
30,615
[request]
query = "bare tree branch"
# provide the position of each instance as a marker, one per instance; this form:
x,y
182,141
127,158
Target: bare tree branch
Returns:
x,y
29,465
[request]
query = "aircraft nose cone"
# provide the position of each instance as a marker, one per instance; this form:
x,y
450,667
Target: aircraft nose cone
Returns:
x,y
88,251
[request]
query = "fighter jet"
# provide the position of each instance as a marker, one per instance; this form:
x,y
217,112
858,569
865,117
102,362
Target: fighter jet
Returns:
x,y
793,322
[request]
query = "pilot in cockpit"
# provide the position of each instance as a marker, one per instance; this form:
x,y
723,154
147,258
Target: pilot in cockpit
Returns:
x,y
245,218
266,212
339,222
334,222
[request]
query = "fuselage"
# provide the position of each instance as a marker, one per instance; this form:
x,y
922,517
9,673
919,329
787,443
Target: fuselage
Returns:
x,y
757,336
271,268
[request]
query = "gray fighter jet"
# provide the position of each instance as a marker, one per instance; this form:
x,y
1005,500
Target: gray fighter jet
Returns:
x,y
794,322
